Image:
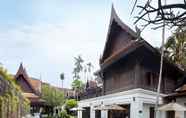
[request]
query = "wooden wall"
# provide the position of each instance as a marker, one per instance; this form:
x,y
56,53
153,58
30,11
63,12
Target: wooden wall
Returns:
x,y
119,77
132,72
24,85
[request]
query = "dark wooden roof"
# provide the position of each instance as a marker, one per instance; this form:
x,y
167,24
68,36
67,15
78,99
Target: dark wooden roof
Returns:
x,y
131,46
30,82
91,84
180,92
115,20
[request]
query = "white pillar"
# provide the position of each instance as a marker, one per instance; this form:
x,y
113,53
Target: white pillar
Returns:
x,y
104,114
161,114
136,109
79,114
92,112
179,114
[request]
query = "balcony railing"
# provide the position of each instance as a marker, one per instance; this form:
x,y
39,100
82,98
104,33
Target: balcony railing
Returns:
x,y
91,93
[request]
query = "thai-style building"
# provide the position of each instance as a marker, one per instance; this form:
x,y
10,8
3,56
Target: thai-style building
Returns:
x,y
129,69
68,93
31,88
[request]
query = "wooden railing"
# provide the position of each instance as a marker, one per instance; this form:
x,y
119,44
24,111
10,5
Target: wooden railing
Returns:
x,y
91,93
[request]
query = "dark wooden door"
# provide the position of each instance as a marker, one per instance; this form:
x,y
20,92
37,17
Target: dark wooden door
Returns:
x,y
98,114
170,114
152,113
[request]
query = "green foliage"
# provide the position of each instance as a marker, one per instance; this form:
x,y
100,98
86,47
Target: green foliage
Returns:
x,y
64,114
176,48
62,76
50,117
78,67
77,84
53,96
11,101
89,66
70,103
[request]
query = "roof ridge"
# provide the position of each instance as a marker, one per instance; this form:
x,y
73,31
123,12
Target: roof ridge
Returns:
x,y
116,18
22,71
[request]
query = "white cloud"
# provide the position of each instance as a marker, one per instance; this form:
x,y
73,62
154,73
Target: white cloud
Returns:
x,y
49,48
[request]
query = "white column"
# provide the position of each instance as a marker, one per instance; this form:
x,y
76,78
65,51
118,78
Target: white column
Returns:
x,y
104,114
92,112
179,114
79,114
136,109
161,114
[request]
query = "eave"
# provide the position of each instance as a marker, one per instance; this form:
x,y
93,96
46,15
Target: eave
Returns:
x,y
114,18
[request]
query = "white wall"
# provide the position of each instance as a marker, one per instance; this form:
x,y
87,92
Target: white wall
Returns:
x,y
146,110
139,99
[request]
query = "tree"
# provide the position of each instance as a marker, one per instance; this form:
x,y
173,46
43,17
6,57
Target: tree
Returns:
x,y
176,48
161,13
78,67
53,96
11,99
62,77
89,68
78,86
71,103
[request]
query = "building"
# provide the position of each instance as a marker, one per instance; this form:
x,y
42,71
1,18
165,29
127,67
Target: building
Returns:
x,y
91,90
31,88
129,68
68,93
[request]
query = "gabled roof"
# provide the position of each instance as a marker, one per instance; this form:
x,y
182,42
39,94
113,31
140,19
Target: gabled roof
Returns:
x,y
30,82
115,20
114,17
36,83
179,92
132,46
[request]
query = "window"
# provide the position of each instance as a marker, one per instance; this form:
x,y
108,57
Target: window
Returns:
x,y
151,78
170,114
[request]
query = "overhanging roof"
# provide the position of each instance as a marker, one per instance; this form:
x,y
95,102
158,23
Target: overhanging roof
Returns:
x,y
115,19
132,46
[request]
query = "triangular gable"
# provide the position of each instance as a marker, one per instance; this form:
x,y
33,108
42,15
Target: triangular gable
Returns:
x,y
22,77
132,48
126,49
116,29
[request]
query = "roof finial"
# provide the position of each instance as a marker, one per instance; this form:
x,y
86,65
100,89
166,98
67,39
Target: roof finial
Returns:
x,y
20,70
21,67
113,12
112,5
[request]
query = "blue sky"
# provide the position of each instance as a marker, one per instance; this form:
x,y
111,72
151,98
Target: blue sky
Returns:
x,y
46,35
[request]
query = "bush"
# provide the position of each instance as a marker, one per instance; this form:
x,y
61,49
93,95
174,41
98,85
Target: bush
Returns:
x,y
71,103
64,114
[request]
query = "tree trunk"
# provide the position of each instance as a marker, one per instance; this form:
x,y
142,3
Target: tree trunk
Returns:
x,y
161,69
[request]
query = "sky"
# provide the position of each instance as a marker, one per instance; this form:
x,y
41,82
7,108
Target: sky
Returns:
x,y
46,35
